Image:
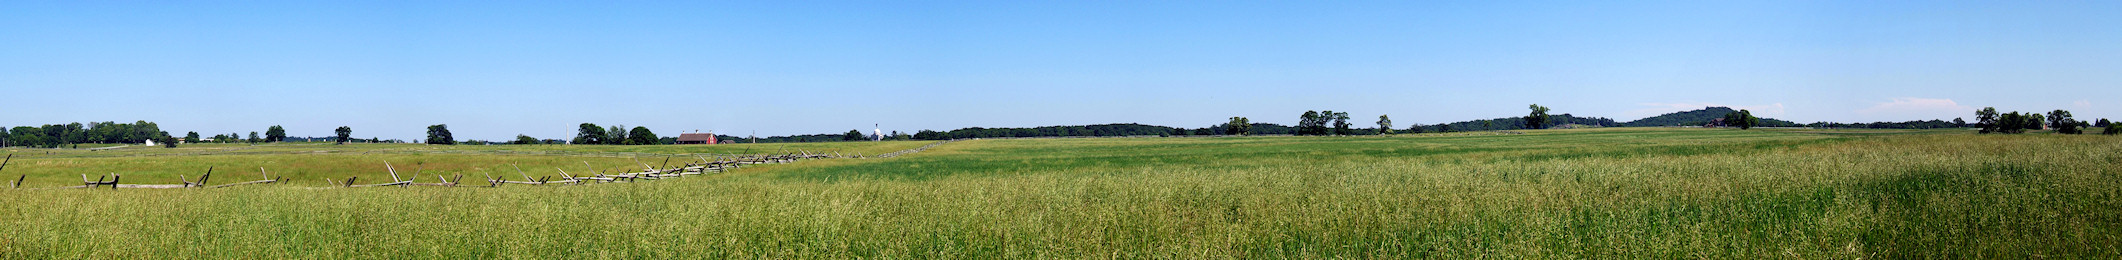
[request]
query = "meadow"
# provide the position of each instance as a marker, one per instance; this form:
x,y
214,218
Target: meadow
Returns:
x,y
1582,193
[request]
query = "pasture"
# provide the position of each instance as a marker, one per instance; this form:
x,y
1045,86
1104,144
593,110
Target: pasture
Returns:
x,y
1585,193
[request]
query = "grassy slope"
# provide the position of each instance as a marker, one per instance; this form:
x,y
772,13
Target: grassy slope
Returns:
x,y
1602,193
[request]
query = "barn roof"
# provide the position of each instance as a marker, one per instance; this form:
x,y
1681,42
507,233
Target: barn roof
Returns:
x,y
696,137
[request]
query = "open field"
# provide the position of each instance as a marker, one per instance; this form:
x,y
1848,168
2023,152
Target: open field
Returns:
x,y
1588,193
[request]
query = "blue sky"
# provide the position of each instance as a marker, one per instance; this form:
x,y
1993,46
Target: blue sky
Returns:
x,y
492,70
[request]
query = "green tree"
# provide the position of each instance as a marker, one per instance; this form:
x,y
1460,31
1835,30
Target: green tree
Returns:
x,y
1311,123
344,133
254,138
1238,125
191,137
1538,119
275,134
615,135
1341,123
2061,121
589,134
439,134
1385,125
167,141
851,135
525,139
2112,129
641,136
1987,119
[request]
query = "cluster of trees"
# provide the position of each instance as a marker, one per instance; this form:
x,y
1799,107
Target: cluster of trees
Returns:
x,y
1323,123
1700,117
57,135
589,133
2015,122
1742,119
1924,124
1050,131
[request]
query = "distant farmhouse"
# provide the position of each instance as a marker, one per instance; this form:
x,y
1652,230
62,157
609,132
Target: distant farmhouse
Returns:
x,y
696,138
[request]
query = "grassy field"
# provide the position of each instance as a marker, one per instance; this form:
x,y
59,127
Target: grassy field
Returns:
x,y
1588,193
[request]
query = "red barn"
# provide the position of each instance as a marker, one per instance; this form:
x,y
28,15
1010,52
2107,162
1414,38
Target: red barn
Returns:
x,y
696,138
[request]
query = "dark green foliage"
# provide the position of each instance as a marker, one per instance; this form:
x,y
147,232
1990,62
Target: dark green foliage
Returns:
x,y
1340,123
2061,121
439,134
1742,119
1538,119
524,139
1385,125
1313,123
852,135
640,135
2112,129
275,134
55,135
344,134
191,137
1928,124
2103,123
925,134
615,135
254,138
1238,126
1987,119
1699,117
589,134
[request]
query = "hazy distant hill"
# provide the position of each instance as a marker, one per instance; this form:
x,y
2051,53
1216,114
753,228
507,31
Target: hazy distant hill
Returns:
x,y
1698,117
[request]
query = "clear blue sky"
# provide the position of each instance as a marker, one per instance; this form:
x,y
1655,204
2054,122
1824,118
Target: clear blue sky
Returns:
x,y
492,70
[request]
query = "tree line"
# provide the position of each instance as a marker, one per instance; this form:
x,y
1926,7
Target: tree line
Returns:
x,y
2059,121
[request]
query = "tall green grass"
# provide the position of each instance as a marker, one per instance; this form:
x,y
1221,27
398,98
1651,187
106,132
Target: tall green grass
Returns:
x,y
1602,193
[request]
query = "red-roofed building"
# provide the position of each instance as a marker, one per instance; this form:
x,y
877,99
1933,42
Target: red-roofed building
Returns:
x,y
696,138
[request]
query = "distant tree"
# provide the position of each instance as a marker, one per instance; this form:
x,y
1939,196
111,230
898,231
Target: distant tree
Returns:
x,y
1415,128
2008,123
1538,119
2103,123
589,134
852,135
1341,123
374,140
344,133
641,136
615,135
254,138
167,141
191,137
2033,121
2061,121
1385,125
926,134
2112,129
439,134
1488,125
1987,119
1238,125
524,139
1312,123
275,134
1444,128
